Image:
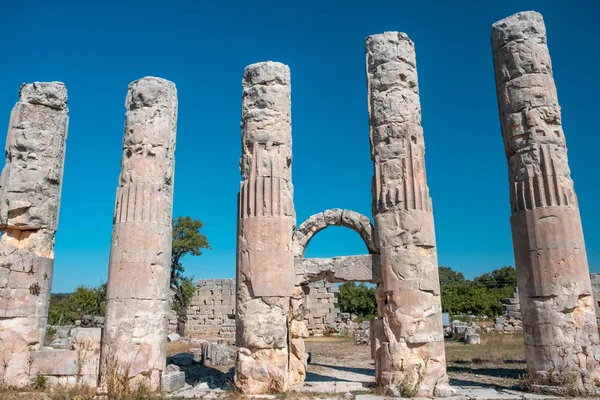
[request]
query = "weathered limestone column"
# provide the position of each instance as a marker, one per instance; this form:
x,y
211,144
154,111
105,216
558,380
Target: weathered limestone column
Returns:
x,y
410,358
266,219
561,336
30,188
134,341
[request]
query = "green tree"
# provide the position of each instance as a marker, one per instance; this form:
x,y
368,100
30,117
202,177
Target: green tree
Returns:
x,y
90,301
187,240
481,296
448,276
498,278
358,299
66,308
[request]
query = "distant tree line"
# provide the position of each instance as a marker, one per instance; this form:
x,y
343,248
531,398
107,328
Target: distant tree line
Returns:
x,y
481,296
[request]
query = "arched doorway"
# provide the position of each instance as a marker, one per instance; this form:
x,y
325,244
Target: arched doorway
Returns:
x,y
315,277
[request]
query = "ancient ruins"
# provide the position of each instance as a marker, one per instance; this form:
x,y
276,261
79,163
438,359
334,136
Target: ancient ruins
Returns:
x,y
266,220
559,321
272,295
410,343
30,188
135,330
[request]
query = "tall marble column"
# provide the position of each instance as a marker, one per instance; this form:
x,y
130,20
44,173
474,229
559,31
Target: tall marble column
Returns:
x,y
30,189
266,220
135,331
409,358
559,322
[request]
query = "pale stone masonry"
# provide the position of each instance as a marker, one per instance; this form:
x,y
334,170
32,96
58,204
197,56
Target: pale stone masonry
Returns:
x,y
322,311
135,330
409,354
210,310
266,220
30,190
559,322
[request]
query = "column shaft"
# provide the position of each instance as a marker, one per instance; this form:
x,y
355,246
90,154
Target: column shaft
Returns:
x,y
559,322
134,341
409,358
30,189
266,220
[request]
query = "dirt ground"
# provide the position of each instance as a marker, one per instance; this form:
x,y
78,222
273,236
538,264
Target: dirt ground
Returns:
x,y
498,362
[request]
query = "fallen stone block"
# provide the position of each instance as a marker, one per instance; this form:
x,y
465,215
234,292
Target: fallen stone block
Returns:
x,y
172,381
173,337
87,339
217,354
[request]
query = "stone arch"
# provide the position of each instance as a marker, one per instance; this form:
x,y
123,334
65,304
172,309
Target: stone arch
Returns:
x,y
333,217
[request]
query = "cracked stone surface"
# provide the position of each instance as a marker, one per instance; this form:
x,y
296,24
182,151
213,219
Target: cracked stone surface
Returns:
x,y
409,353
362,268
135,329
266,220
559,322
30,189
333,217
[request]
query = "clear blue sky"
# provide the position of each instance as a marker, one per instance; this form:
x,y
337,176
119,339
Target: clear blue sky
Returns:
x,y
97,48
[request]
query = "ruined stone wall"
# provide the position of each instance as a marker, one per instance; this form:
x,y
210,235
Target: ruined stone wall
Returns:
x,y
409,342
595,280
30,190
210,309
562,345
137,305
322,310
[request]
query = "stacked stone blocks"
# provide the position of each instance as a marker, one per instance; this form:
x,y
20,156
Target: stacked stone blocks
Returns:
x,y
322,311
211,310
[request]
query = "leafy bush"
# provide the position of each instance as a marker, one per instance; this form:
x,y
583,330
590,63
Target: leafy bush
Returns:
x,y
481,296
66,308
358,299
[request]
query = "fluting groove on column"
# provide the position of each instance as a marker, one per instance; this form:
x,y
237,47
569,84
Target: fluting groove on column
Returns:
x,y
30,189
561,336
409,354
266,220
134,341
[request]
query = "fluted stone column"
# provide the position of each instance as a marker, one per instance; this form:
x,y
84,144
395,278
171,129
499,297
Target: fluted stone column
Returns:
x,y
561,336
266,219
409,358
30,189
135,331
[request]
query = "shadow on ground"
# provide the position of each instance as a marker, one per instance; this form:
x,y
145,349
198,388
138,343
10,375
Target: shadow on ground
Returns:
x,y
513,373
336,373
196,373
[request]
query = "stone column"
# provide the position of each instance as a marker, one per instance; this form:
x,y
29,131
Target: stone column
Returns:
x,y
30,188
409,358
561,336
135,331
266,219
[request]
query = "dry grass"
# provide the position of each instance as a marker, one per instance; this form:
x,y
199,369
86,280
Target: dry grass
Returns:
x,y
21,394
498,361
178,347
495,349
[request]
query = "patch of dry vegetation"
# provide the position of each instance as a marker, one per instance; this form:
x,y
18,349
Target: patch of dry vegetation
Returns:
x,y
498,361
178,347
495,349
